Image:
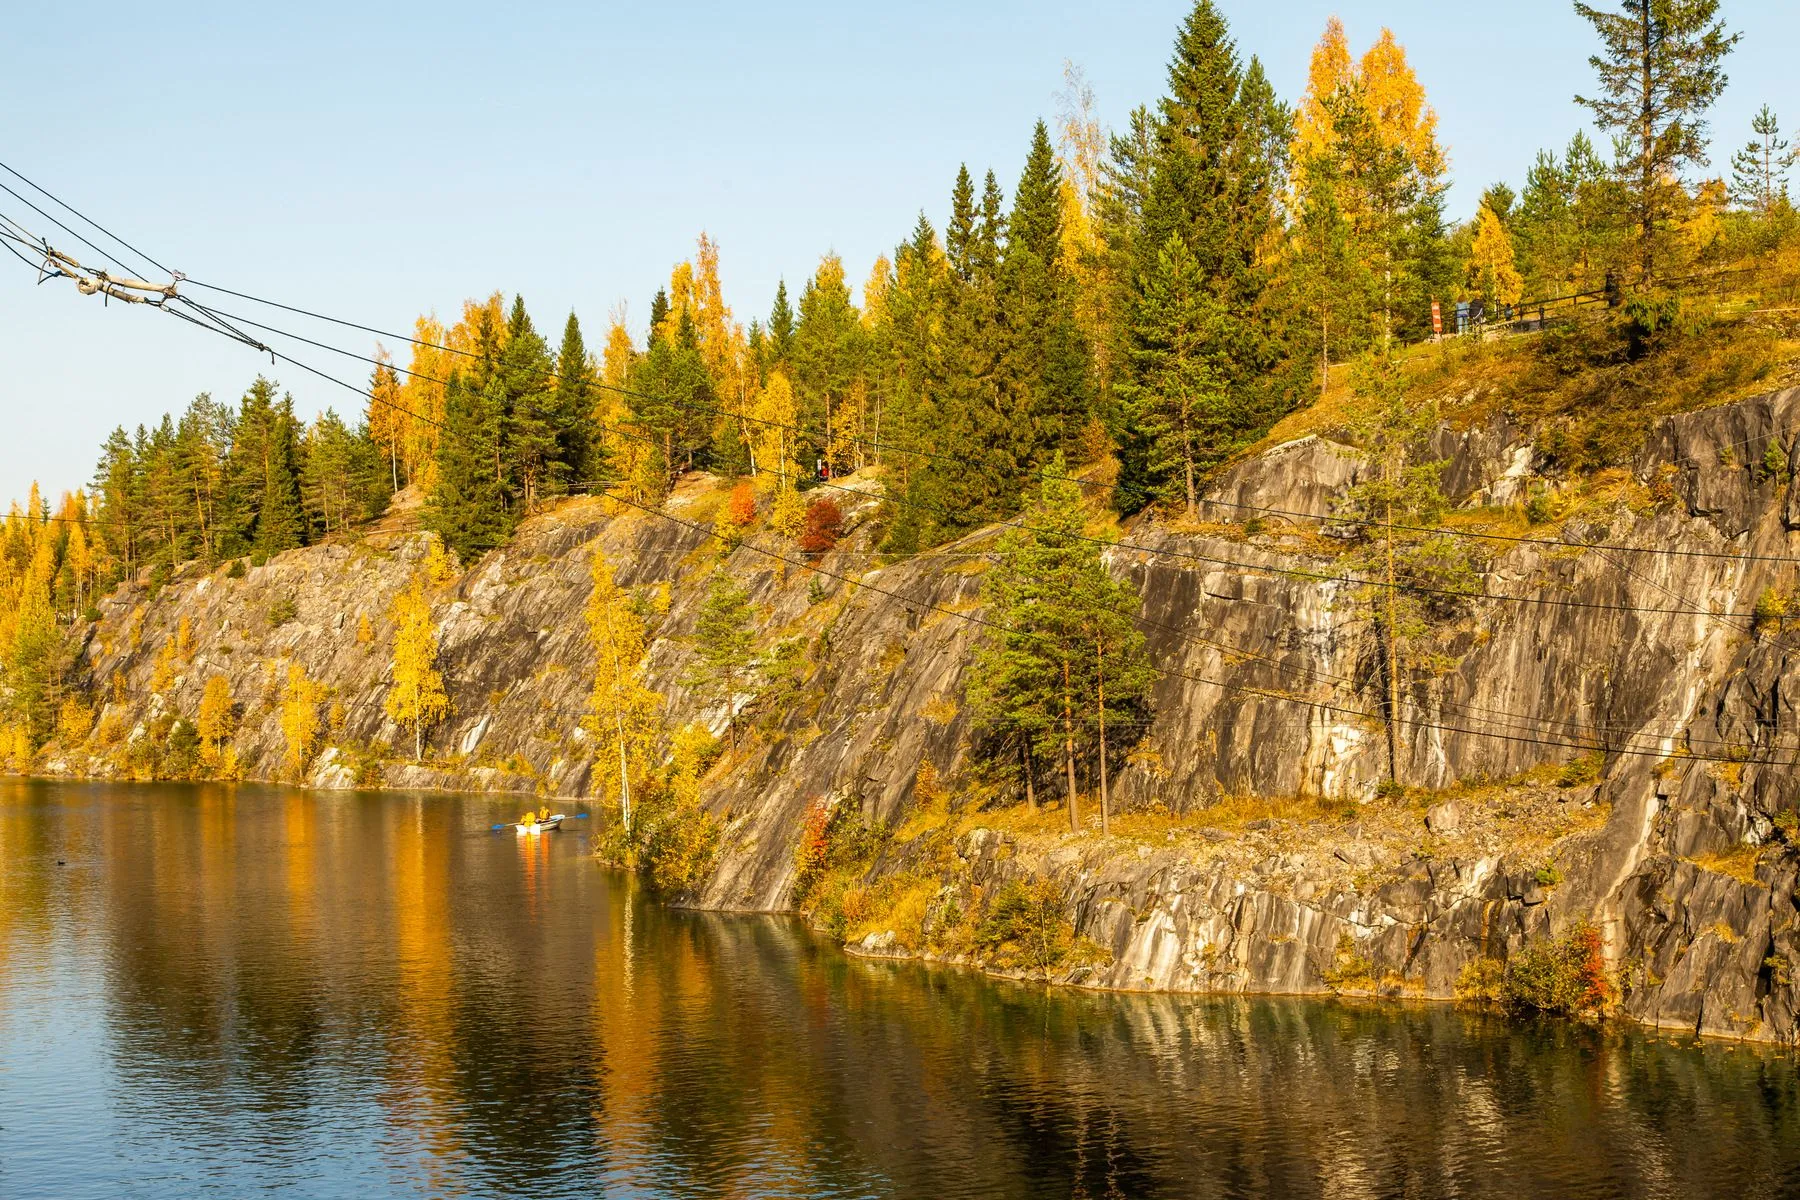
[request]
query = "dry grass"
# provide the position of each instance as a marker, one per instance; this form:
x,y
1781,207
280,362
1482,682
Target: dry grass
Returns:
x,y
1738,863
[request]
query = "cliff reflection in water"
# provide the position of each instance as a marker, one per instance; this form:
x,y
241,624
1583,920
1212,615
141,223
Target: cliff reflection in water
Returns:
x,y
227,989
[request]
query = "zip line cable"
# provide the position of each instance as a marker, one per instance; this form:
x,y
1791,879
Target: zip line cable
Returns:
x,y
1313,576
879,446
1338,682
1166,672
941,457
219,318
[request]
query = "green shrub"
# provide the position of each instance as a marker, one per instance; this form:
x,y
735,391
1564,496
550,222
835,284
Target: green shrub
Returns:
x,y
1773,608
1582,770
1775,462
282,610
236,569
1563,976
1026,925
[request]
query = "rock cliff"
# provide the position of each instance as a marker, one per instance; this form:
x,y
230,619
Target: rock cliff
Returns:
x,y
1257,853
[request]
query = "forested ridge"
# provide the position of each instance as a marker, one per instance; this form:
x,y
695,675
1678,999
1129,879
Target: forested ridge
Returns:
x,y
1145,304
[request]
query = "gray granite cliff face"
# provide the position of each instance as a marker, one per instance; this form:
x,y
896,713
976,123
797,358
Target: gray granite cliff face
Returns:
x,y
1682,861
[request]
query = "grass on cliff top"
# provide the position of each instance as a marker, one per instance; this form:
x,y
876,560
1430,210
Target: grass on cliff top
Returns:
x,y
1590,401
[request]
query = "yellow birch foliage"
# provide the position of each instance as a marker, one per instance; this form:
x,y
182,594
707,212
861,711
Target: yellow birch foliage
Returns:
x,y
623,712
416,699
162,675
300,724
631,457
1492,273
772,448
218,718
439,567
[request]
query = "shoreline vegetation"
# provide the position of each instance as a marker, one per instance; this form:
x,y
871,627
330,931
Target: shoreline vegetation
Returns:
x,y
1019,400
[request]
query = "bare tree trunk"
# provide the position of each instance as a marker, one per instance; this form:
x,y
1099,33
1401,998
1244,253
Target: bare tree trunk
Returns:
x,y
1030,793
1105,799
1069,751
1324,354
1393,658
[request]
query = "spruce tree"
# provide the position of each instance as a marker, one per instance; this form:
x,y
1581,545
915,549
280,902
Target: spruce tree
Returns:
x,y
1660,68
1211,181
1177,398
579,455
264,473
827,360
781,327
529,443
468,506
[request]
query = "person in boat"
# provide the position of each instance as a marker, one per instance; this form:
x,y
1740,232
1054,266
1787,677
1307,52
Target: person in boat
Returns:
x,y
543,814
528,820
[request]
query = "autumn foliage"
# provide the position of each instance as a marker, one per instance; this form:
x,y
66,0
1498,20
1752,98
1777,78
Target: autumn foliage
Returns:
x,y
824,526
741,508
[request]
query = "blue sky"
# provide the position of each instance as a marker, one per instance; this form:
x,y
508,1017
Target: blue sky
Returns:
x,y
378,161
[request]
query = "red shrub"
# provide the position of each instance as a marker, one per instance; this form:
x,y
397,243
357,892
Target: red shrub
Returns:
x,y
824,526
742,508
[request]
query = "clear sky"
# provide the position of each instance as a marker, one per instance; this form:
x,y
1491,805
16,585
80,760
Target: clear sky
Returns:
x,y
377,161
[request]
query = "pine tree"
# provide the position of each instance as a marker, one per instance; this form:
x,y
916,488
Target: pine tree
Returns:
x,y
416,697
1759,170
723,652
1660,68
1396,499
1068,676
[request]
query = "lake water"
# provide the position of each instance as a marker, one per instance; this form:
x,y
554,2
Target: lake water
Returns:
x,y
250,991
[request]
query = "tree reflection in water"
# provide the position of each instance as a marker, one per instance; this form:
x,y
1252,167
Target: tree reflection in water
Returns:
x,y
371,994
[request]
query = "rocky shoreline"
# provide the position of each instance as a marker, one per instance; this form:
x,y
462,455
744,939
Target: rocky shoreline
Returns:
x,y
1677,848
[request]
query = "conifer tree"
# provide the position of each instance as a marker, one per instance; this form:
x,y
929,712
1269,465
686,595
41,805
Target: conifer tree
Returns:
x,y
468,503
781,328
264,482
1660,68
1400,496
1210,181
827,353
1759,170
1176,397
1068,676
723,645
530,447
579,455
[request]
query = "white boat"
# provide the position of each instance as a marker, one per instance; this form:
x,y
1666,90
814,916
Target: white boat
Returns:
x,y
544,826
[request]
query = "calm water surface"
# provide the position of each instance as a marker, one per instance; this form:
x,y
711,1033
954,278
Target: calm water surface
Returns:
x,y
242,991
